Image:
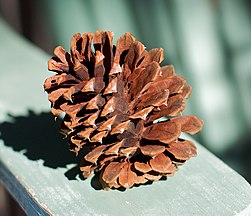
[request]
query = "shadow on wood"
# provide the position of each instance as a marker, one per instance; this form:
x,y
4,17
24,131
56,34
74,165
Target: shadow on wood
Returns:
x,y
38,137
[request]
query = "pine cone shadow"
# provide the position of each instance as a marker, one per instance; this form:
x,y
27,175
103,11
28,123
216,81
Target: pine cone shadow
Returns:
x,y
37,135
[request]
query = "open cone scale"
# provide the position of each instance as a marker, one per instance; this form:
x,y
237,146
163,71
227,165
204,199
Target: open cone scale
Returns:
x,y
111,95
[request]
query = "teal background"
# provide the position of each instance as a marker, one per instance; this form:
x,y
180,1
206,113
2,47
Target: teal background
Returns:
x,y
208,42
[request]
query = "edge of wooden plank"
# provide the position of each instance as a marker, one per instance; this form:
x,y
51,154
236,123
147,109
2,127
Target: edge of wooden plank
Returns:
x,y
26,200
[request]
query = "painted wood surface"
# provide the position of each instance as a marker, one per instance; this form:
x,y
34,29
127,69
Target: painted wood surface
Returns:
x,y
37,169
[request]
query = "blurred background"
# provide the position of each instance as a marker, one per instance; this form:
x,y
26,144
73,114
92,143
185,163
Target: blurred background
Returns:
x,y
208,42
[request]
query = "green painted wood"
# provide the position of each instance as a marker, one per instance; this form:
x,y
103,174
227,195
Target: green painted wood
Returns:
x,y
203,186
41,178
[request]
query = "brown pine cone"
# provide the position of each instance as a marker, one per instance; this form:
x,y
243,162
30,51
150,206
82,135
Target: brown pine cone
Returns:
x,y
111,97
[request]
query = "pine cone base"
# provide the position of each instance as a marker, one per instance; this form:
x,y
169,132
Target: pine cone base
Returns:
x,y
111,97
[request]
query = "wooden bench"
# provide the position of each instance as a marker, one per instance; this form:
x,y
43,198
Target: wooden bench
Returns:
x,y
40,173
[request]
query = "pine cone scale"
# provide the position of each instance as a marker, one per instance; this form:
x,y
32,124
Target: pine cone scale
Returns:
x,y
182,150
152,150
112,171
161,163
147,75
164,131
142,167
127,177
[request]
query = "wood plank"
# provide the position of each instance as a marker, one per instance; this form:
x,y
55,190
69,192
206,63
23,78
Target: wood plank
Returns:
x,y
203,186
37,169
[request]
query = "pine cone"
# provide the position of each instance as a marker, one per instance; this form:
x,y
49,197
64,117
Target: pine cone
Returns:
x,y
111,98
